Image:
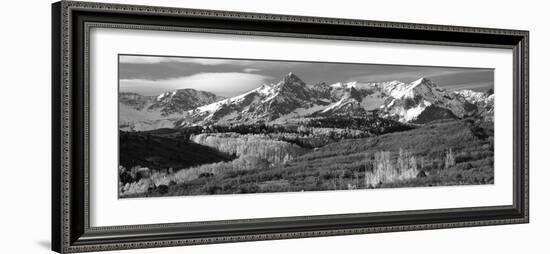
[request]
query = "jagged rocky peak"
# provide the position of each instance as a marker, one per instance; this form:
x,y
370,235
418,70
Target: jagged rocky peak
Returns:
x,y
353,93
421,84
419,87
422,81
186,92
292,78
181,100
425,82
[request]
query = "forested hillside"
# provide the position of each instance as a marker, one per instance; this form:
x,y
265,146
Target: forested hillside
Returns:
x,y
443,153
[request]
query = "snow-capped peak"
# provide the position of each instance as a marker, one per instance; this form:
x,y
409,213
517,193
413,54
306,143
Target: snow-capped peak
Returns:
x,y
344,85
163,95
266,92
473,96
264,89
292,78
398,90
337,85
421,81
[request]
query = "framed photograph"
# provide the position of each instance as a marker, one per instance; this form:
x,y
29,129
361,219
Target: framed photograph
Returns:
x,y
182,126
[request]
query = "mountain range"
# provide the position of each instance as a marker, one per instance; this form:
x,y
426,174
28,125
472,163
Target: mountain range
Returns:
x,y
292,100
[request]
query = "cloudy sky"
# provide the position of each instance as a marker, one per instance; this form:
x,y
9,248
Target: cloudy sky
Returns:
x,y
152,75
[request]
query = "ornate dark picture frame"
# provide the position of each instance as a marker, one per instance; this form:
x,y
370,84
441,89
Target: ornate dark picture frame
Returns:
x,y
71,22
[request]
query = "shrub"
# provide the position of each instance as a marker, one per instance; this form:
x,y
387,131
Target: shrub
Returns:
x,y
385,171
162,189
449,159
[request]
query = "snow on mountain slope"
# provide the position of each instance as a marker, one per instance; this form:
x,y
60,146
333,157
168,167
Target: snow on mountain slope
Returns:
x,y
263,104
487,109
349,102
181,100
471,96
402,101
483,101
292,100
409,100
140,113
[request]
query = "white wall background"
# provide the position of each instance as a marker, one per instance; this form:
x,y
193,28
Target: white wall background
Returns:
x,y
25,125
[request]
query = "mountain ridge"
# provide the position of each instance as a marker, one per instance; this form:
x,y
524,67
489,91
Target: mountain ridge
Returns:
x,y
292,99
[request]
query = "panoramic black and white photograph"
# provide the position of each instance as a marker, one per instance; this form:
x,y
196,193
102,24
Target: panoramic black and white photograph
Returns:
x,y
212,126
